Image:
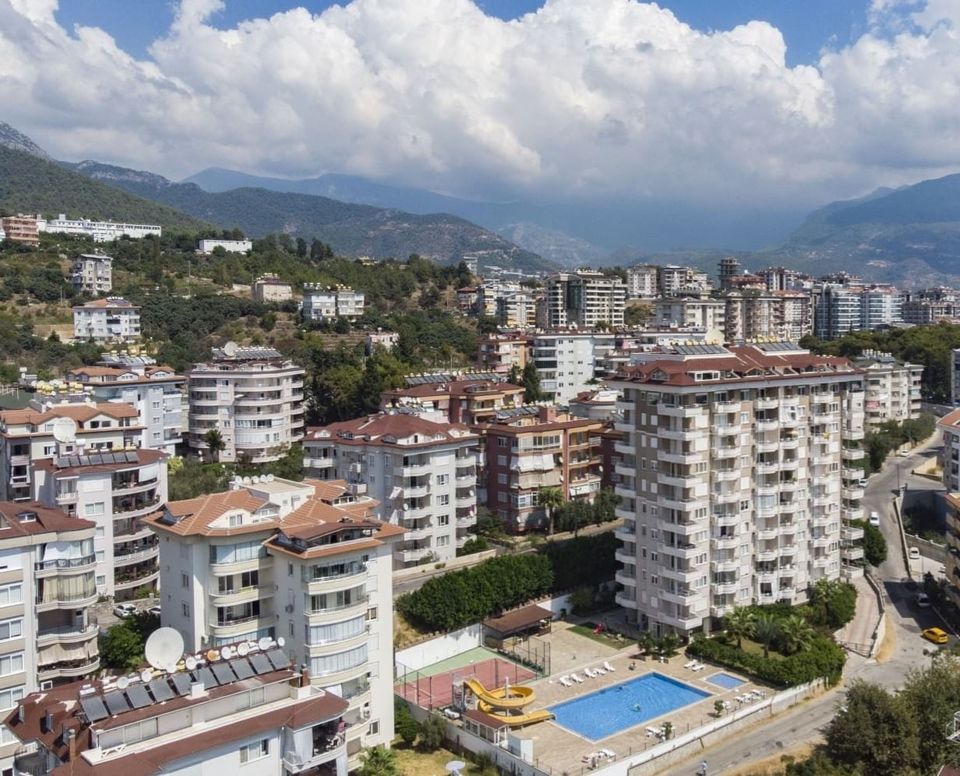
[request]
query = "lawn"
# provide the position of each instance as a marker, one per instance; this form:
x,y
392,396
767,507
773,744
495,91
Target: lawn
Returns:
x,y
414,763
605,637
757,649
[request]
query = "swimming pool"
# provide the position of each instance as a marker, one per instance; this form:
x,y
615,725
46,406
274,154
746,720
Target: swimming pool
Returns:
x,y
726,681
613,709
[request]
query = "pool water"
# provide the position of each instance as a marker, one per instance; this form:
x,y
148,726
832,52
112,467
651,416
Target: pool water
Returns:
x,y
613,709
726,681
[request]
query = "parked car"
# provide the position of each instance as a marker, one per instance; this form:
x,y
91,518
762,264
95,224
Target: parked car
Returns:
x,y
154,610
913,553
863,482
936,635
875,519
124,610
922,600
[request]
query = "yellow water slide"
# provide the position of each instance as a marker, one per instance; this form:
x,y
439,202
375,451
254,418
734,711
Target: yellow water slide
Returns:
x,y
504,702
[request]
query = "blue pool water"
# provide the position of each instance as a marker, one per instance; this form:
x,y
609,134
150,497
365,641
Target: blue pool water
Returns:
x,y
611,710
726,681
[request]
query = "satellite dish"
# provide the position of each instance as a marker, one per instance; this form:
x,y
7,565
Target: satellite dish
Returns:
x,y
243,649
253,646
171,669
164,647
246,480
213,654
265,643
146,675
281,641
65,430
256,480
226,652
123,682
269,478
191,662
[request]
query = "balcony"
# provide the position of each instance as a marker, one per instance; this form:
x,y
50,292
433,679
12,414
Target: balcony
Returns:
x,y
130,486
415,555
335,582
853,494
63,601
626,599
124,582
851,533
679,596
851,553
726,407
725,451
70,669
65,566
130,557
680,410
684,551
239,626
726,475
241,595
724,566
626,578
724,542
767,404
68,634
851,454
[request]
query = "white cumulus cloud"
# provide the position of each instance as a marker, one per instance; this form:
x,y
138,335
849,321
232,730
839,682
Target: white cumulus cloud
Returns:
x,y
583,97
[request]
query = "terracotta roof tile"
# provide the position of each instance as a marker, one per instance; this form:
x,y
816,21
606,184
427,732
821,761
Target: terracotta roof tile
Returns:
x,y
46,520
374,430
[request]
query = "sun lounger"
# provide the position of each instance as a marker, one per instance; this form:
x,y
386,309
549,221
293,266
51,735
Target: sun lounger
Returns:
x,y
565,681
690,664
698,667
608,753
607,666
652,731
590,674
599,671
577,679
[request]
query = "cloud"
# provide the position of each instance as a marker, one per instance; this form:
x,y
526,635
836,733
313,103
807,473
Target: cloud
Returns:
x,y
583,97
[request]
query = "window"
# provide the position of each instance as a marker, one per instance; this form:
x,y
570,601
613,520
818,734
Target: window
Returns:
x,y
501,460
443,541
11,629
100,555
341,661
443,499
185,608
501,478
374,728
93,510
185,581
372,613
443,520
11,664
101,581
9,697
443,479
11,594
100,532
255,751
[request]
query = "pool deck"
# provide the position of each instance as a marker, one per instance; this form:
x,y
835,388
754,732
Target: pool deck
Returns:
x,y
562,750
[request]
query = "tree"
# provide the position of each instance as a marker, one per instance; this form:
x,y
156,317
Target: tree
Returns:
x,y
121,648
833,603
550,498
873,733
795,634
739,623
213,439
433,732
766,630
404,723
874,544
530,381
514,376
378,761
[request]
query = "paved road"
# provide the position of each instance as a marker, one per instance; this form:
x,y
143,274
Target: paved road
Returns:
x,y
805,722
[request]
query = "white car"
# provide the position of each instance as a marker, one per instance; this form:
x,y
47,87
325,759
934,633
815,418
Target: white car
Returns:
x,y
154,610
124,610
875,519
914,553
923,600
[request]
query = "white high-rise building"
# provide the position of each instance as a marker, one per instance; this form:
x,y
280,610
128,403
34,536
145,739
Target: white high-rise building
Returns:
x,y
92,274
642,281
107,320
253,396
738,476
892,387
422,473
304,561
708,315
568,362
584,298
157,392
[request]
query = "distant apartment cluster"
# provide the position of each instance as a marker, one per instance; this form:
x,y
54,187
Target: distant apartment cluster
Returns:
x,y
325,303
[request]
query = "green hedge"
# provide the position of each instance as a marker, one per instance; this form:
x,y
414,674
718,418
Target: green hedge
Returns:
x,y
823,658
461,597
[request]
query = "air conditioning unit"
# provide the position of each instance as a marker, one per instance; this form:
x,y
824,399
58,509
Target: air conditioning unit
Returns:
x,y
47,685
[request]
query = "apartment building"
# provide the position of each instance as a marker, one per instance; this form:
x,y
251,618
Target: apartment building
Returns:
x,y
846,304
252,713
230,246
20,228
270,288
48,634
930,305
783,279
100,231
708,315
299,560
892,387
751,315
422,474
642,281
949,425
517,310
583,298
468,400
387,340
501,352
157,393
568,362
59,425
253,396
533,447
952,563
92,273
107,320
739,476
321,303
673,280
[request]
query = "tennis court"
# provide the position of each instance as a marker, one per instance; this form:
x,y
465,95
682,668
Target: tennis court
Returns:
x,y
436,691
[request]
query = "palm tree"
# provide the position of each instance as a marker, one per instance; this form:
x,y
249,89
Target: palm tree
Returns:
x,y
795,634
668,645
550,498
213,439
739,623
766,629
646,643
378,761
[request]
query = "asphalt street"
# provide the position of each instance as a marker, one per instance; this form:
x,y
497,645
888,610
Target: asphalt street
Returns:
x,y
805,722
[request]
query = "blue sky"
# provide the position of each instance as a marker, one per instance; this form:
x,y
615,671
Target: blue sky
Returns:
x,y
807,25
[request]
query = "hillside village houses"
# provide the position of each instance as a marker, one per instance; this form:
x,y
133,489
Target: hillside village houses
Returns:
x,y
270,288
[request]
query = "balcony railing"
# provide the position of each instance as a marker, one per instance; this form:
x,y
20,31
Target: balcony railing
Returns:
x,y
65,563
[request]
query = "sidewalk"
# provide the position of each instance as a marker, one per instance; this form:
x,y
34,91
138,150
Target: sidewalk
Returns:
x,y
857,635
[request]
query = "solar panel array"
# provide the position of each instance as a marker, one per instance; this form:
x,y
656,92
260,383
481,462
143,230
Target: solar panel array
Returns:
x,y
777,347
97,459
518,412
700,349
139,695
448,377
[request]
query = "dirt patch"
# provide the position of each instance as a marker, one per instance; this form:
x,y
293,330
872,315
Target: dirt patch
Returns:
x,y
889,643
773,765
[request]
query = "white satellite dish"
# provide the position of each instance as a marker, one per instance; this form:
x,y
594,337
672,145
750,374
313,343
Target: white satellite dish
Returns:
x,y
246,480
226,652
65,430
265,643
165,646
123,682
252,646
243,648
191,662
146,675
281,641
171,668
269,478
256,480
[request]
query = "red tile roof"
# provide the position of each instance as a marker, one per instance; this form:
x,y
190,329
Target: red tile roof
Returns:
x,y
47,520
385,429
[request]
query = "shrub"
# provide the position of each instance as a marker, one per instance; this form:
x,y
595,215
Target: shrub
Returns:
x,y
404,724
433,732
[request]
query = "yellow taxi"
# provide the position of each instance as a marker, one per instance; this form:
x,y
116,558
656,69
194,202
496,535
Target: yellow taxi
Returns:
x,y
936,635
